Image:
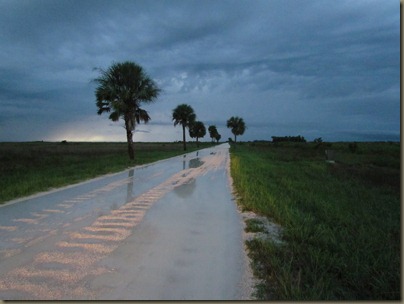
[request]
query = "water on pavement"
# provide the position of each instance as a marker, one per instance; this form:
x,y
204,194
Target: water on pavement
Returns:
x,y
165,231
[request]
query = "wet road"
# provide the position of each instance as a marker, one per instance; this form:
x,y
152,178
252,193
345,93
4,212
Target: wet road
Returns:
x,y
165,231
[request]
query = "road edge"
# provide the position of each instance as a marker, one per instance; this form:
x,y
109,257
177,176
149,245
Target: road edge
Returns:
x,y
249,281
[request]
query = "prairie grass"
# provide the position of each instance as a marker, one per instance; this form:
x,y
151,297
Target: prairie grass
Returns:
x,y
341,221
27,168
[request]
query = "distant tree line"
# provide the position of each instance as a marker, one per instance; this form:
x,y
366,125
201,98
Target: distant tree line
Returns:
x,y
277,139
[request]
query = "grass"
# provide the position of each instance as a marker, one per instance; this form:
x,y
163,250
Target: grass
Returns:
x,y
341,221
31,167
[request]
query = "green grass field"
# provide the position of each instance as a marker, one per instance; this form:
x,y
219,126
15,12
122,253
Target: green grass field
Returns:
x,y
28,168
340,221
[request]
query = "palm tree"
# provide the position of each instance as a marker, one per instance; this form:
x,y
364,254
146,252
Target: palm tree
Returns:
x,y
237,126
185,116
197,129
218,137
212,132
122,88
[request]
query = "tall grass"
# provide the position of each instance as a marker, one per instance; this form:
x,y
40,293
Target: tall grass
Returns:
x,y
341,221
27,168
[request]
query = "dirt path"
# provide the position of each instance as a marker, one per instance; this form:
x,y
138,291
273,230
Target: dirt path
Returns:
x,y
166,231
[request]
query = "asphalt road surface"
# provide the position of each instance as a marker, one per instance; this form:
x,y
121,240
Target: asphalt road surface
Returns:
x,y
165,231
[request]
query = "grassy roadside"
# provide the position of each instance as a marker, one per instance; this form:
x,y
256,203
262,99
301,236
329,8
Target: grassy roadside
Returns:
x,y
341,221
28,168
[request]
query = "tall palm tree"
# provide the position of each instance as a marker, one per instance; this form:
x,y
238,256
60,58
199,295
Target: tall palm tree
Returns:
x,y
122,88
197,129
185,116
237,126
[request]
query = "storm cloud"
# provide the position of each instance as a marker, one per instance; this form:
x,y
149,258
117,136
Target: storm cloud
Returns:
x,y
327,69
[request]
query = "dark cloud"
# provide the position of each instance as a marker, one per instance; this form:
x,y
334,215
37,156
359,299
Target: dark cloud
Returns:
x,y
327,69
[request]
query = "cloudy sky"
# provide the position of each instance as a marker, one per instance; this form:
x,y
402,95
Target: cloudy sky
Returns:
x,y
327,69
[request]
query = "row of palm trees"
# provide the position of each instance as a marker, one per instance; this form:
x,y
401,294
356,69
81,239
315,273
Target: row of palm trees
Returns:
x,y
185,116
124,87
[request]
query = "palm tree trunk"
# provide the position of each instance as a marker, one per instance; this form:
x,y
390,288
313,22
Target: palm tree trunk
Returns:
x,y
235,138
197,143
131,150
183,137
129,138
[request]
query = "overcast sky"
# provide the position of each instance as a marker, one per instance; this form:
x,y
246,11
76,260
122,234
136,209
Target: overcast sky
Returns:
x,y
327,69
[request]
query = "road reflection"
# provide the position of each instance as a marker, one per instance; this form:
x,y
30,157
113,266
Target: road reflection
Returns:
x,y
129,189
193,163
186,190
